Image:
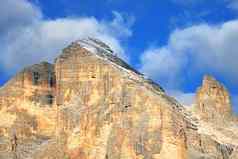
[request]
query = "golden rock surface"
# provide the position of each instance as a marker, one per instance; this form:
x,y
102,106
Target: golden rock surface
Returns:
x,y
92,105
213,100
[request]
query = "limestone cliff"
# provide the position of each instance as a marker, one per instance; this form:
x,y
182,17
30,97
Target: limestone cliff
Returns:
x,y
35,83
213,100
90,104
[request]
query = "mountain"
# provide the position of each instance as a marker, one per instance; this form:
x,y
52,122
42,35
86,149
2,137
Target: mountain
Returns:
x,y
90,104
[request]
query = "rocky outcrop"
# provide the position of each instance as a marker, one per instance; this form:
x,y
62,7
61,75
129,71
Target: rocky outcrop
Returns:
x,y
102,108
118,113
216,122
35,84
213,101
26,110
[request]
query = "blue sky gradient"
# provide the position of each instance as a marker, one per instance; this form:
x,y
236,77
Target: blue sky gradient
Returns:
x,y
147,33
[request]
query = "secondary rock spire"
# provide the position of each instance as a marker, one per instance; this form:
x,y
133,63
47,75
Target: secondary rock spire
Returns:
x,y
213,100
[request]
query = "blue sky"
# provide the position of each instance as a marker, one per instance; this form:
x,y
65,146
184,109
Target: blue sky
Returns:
x,y
175,42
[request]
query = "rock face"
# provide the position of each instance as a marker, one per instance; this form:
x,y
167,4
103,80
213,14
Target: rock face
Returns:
x,y
213,100
35,84
92,105
118,113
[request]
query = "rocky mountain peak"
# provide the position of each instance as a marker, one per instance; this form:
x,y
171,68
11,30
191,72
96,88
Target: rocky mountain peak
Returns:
x,y
98,48
92,104
211,82
96,44
213,99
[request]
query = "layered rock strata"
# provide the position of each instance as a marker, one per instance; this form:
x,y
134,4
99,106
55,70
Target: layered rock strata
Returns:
x,y
92,105
213,100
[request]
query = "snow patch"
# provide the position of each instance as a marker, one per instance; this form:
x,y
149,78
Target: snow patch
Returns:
x,y
95,46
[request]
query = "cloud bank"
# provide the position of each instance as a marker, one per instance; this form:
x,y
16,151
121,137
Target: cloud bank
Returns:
x,y
194,51
210,48
27,37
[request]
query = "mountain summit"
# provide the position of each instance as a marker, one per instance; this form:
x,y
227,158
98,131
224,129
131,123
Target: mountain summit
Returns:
x,y
92,104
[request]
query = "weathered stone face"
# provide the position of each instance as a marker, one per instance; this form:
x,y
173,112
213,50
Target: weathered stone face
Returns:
x,y
213,100
35,84
116,116
26,108
104,109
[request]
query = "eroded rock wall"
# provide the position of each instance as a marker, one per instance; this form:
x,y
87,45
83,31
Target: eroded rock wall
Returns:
x,y
27,111
101,108
34,84
114,116
213,100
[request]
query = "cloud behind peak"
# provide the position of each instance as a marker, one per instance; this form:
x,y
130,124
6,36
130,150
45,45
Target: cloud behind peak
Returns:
x,y
28,38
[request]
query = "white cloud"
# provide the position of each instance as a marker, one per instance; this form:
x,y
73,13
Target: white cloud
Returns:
x,y
17,13
162,65
35,39
204,48
194,51
186,99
